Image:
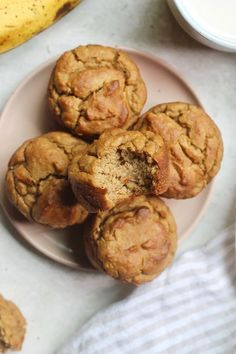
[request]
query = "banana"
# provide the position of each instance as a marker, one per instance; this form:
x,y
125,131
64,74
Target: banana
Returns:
x,y
20,20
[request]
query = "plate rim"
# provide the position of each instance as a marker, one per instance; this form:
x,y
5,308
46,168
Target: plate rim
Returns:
x,y
150,56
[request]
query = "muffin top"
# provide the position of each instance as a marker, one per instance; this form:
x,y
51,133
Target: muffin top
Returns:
x,y
194,142
118,165
93,88
37,182
135,241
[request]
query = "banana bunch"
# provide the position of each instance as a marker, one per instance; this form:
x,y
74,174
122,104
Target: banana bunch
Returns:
x,y
22,19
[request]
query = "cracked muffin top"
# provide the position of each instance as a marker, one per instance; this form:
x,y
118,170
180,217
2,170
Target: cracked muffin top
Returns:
x,y
93,88
118,165
12,326
37,182
134,242
195,145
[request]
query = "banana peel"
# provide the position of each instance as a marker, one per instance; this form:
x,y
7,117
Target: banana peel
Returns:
x,y
20,20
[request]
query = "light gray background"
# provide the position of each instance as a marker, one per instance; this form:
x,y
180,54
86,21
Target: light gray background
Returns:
x,y
56,301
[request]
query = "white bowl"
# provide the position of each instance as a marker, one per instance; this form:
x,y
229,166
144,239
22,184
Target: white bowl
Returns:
x,y
215,27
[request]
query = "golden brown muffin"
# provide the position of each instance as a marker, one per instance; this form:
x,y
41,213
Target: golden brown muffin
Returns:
x,y
93,88
134,242
195,145
12,326
118,165
37,180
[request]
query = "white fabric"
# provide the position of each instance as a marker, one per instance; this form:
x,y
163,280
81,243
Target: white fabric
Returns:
x,y
190,308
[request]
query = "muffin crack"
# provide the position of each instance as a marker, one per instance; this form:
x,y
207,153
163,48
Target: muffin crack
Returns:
x,y
37,184
89,64
18,194
82,112
113,212
62,148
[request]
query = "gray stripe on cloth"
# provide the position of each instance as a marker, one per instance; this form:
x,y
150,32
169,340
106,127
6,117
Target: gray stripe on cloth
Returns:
x,y
184,332
129,316
154,333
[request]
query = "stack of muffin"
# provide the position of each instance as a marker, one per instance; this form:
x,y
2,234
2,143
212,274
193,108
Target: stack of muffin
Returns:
x,y
110,170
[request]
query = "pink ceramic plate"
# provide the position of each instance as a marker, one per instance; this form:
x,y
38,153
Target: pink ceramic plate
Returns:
x,y
26,116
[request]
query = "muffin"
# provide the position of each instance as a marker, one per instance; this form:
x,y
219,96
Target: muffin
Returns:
x,y
12,326
93,88
194,142
37,180
118,165
134,242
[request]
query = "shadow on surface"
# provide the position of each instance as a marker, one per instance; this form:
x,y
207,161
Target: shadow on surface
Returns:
x,y
47,122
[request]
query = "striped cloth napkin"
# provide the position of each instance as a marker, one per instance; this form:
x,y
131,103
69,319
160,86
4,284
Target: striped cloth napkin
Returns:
x,y
190,308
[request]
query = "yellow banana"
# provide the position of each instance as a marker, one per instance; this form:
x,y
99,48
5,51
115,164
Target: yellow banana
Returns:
x,y
22,19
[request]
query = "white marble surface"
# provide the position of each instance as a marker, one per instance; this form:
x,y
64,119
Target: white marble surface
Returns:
x,y
56,301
